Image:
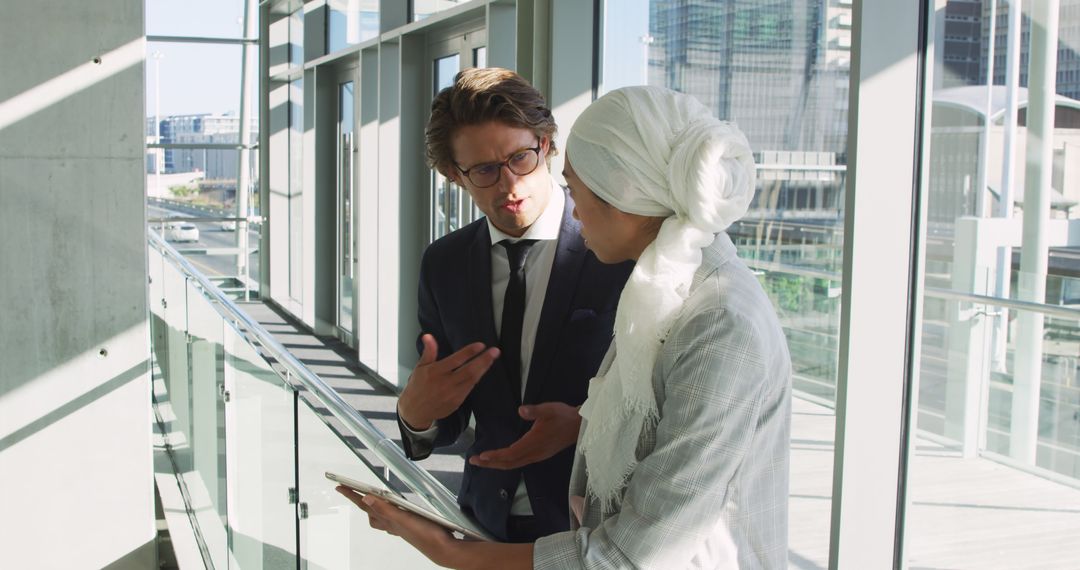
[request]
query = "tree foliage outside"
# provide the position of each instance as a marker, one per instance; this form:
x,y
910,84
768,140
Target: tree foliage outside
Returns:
x,y
184,191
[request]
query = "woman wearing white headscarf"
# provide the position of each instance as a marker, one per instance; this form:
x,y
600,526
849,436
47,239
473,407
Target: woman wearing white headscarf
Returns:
x,y
683,451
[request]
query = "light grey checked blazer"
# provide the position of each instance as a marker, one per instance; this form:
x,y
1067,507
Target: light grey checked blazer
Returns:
x,y
711,486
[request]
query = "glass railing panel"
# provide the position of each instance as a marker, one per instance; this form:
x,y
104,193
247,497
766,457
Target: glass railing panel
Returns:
x,y
1033,408
807,300
933,365
155,294
261,434
240,448
156,278
994,476
207,485
957,348
173,354
975,355
335,533
1063,290
159,343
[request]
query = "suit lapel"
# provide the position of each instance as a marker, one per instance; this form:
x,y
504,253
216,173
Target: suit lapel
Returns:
x,y
565,270
478,282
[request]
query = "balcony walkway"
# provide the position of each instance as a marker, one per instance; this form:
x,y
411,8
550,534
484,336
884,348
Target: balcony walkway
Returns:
x,y
965,513
336,364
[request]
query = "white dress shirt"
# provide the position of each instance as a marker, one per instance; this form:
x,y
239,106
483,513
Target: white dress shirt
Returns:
x,y
537,274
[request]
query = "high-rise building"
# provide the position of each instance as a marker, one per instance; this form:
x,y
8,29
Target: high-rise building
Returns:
x,y
1068,53
204,129
961,43
780,70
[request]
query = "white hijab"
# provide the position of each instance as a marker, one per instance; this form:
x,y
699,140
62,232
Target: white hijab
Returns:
x,y
653,152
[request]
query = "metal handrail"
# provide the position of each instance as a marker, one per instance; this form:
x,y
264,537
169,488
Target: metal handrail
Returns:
x,y
933,292
416,478
791,269
1051,310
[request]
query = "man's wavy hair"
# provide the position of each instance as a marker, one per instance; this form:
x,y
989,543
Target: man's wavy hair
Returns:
x,y
482,95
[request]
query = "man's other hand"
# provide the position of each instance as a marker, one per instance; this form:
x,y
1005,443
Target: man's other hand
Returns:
x,y
555,427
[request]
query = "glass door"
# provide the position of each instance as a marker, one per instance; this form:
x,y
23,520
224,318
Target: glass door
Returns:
x,y
346,234
451,206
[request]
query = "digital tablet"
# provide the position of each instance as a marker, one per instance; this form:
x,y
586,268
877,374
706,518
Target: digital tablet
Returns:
x,y
401,503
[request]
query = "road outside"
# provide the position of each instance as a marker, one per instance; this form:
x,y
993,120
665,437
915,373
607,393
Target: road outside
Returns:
x,y
215,252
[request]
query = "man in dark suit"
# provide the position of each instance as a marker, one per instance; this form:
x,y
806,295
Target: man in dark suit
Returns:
x,y
515,313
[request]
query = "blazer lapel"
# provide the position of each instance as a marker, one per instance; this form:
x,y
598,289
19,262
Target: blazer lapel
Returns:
x,y
565,269
478,280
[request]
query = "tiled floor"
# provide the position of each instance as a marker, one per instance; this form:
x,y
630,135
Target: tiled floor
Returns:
x,y
964,513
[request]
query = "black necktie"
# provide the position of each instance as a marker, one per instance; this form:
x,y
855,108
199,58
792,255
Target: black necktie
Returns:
x,y
513,314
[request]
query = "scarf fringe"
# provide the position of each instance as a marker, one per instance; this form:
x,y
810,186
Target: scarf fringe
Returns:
x,y
609,495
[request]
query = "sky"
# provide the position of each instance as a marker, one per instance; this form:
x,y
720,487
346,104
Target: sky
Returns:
x,y
194,78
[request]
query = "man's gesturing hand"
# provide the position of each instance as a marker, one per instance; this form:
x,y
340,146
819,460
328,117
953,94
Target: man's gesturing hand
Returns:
x,y
555,427
437,387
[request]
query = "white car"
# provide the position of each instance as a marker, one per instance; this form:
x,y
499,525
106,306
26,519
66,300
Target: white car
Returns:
x,y
181,231
228,226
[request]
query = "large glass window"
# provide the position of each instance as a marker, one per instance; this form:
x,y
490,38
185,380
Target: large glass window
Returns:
x,y
779,70
296,37
445,70
351,22
197,195
195,18
445,195
451,206
423,8
346,238
285,128
994,477
295,200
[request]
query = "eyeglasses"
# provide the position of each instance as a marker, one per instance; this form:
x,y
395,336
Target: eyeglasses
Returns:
x,y
521,163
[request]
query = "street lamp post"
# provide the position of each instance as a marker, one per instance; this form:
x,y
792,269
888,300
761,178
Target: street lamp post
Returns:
x,y
160,154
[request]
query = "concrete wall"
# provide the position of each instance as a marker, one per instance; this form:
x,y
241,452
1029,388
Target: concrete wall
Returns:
x,y
76,487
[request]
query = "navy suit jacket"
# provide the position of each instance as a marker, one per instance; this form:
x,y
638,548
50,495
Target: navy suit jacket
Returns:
x,y
575,329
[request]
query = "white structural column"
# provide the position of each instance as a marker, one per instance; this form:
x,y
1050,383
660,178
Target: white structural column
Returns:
x,y
367,227
1008,179
1034,250
388,266
879,272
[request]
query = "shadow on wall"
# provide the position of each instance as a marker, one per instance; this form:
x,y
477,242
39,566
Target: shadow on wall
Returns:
x,y
132,374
